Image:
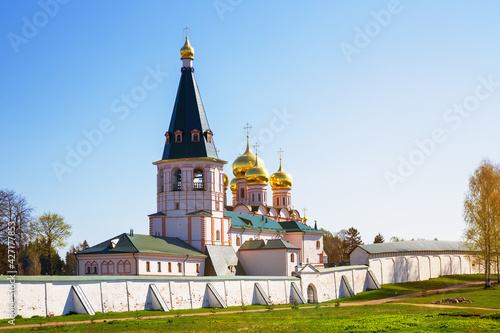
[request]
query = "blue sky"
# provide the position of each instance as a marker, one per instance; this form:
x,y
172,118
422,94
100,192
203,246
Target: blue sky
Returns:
x,y
383,108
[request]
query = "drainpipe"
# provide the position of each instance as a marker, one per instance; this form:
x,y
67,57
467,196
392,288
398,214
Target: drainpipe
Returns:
x,y
77,264
184,269
136,264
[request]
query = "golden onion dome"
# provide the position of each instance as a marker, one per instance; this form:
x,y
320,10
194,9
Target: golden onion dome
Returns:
x,y
292,215
257,174
304,219
244,162
226,181
232,185
187,51
281,179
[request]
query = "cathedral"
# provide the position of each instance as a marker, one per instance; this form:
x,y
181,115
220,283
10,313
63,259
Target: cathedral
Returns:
x,y
197,230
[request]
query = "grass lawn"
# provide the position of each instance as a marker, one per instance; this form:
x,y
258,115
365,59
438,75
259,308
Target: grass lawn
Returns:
x,y
378,318
390,290
481,297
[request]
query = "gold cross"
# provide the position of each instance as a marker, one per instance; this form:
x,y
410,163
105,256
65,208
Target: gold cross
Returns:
x,y
304,210
256,146
186,28
247,128
280,152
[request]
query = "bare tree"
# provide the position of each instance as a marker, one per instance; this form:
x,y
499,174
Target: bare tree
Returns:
x,y
15,217
482,215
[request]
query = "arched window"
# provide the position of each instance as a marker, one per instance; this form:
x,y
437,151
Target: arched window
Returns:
x,y
195,136
238,241
111,267
94,267
104,267
242,193
167,138
198,179
217,235
258,194
178,136
120,267
127,267
277,201
176,179
253,196
87,267
292,257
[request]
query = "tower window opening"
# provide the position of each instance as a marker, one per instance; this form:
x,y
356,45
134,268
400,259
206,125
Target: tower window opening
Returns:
x,y
160,181
167,138
238,241
179,267
258,194
195,135
198,179
177,205
242,194
217,235
176,180
209,136
178,136
277,201
253,196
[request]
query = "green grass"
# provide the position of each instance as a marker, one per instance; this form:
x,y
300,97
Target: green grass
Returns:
x,y
378,318
481,297
390,290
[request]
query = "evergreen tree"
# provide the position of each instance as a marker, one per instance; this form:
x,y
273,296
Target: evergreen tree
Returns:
x,y
353,239
378,239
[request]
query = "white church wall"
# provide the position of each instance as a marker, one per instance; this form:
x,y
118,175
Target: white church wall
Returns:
x,y
312,252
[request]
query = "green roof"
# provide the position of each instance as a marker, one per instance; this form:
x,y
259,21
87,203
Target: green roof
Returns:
x,y
189,115
294,226
413,246
253,222
270,244
126,243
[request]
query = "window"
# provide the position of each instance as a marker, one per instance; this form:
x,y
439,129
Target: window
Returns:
x,y
121,267
179,267
277,201
176,205
320,258
148,268
253,196
195,136
259,195
318,245
292,257
176,179
217,235
197,268
178,136
242,193
94,267
198,179
238,241
127,266
104,267
159,266
111,267
170,267
87,267
160,181
167,138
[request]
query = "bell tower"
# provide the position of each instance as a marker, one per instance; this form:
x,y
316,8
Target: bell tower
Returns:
x,y
190,178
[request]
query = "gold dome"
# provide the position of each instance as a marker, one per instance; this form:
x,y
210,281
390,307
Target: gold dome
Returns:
x,y
187,52
226,181
281,179
244,162
257,174
232,186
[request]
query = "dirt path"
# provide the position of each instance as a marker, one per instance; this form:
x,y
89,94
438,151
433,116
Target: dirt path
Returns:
x,y
373,302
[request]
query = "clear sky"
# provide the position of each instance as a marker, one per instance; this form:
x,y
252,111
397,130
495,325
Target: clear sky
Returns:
x,y
383,108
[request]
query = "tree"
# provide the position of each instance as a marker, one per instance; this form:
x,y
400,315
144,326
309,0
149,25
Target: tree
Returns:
x,y
15,216
378,239
396,239
353,239
51,231
71,265
334,246
482,215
